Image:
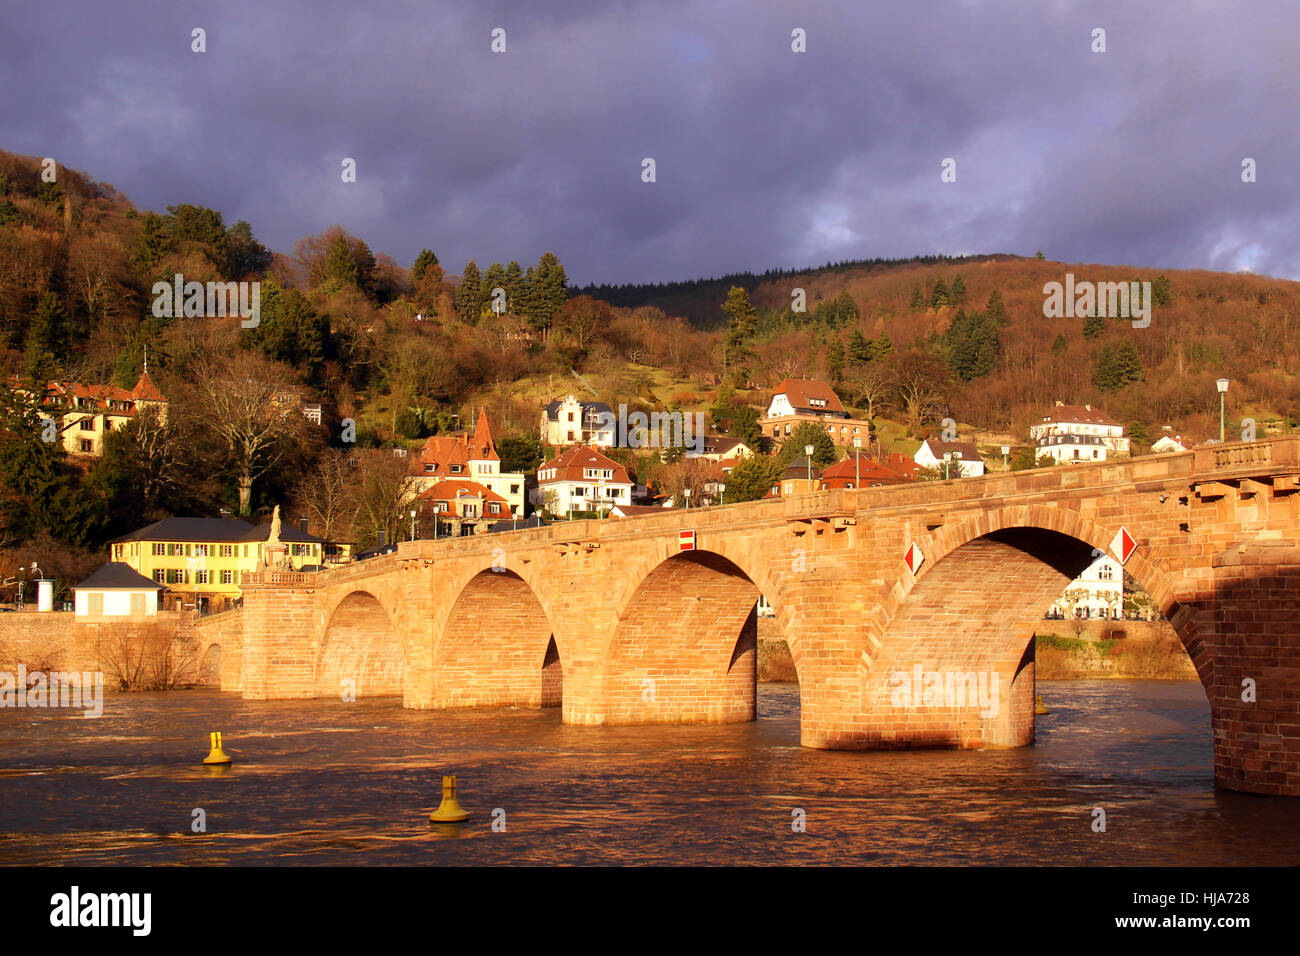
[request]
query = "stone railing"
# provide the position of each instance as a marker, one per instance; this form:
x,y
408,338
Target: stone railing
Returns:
x,y
277,578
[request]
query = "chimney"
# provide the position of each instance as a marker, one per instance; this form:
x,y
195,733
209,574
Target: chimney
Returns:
x,y
1088,408
302,525
383,538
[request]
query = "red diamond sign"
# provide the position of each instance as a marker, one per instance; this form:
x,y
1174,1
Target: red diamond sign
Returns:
x,y
913,557
1123,545
686,541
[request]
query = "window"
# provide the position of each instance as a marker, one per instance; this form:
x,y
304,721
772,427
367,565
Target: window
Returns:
x,y
88,425
200,550
455,469
157,549
158,575
87,445
579,492
175,576
227,550
514,489
245,550
227,577
117,551
494,508
201,577
430,467
570,419
95,603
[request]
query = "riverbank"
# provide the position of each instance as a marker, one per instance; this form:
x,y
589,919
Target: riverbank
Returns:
x,y
1144,650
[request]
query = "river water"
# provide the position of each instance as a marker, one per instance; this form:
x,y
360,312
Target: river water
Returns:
x,y
327,782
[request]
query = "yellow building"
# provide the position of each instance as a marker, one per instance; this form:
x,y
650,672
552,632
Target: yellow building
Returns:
x,y
199,560
87,413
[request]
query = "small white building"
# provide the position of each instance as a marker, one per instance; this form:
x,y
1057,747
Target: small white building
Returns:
x,y
571,422
1078,433
1168,444
116,590
965,457
1097,593
581,479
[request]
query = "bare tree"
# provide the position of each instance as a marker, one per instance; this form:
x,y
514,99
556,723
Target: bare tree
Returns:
x,y
326,495
380,493
248,401
871,383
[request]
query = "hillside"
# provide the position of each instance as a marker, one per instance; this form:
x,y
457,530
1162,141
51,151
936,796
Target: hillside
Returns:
x,y
411,351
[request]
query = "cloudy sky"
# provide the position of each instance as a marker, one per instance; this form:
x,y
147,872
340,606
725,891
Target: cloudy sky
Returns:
x,y
764,157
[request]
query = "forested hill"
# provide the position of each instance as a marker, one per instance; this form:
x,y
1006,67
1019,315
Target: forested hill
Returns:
x,y
697,300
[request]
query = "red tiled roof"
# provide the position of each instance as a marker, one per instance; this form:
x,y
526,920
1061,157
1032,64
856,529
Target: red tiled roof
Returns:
x,y
799,390
443,451
966,451
146,390
456,487
869,472
570,464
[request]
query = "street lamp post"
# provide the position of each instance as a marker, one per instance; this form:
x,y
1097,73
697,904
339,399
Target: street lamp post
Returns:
x,y
808,453
857,462
1223,390
412,524
1006,450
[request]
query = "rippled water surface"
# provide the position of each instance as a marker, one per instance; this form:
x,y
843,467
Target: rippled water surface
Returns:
x,y
329,782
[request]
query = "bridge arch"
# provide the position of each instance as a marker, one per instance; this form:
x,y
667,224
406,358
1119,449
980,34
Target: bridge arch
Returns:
x,y
685,644
496,647
360,650
967,621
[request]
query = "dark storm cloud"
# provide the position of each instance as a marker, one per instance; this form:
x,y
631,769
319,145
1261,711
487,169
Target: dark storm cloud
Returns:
x,y
764,157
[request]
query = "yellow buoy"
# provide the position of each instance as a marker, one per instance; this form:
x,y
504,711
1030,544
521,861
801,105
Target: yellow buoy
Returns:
x,y
1039,706
217,756
449,811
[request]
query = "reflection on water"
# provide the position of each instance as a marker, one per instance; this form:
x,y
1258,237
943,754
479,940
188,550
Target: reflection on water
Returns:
x,y
330,782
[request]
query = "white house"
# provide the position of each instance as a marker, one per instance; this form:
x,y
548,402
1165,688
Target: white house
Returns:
x,y
571,422
1096,593
966,460
466,458
581,479
1078,433
116,590
1167,444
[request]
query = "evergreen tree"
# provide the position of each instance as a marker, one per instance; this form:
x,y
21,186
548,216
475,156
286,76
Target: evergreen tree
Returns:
x,y
151,244
846,310
918,299
514,281
1162,291
494,278
468,294
550,291
807,433
994,308
341,267
958,289
882,346
425,259
835,360
939,296
972,345
742,323
752,478
47,340
1128,364
1060,344
245,256
1104,373
859,347
1093,326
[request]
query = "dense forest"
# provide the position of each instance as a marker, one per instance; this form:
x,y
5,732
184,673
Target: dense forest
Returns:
x,y
410,351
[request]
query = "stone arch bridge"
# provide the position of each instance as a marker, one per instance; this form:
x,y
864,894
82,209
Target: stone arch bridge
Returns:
x,y
616,624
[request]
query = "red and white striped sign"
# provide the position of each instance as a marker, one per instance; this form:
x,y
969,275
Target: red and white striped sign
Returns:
x,y
1123,545
685,540
913,557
